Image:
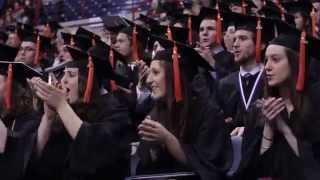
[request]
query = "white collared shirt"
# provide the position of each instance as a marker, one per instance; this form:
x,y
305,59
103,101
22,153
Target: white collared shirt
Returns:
x,y
253,71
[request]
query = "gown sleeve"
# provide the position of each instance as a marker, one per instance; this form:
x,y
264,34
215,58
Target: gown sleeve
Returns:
x,y
209,151
103,144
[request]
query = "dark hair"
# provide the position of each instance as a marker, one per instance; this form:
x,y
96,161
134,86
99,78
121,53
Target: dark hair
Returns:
x,y
21,102
299,100
174,116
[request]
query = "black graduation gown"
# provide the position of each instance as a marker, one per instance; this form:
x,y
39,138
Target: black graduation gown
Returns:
x,y
207,147
225,64
280,161
230,100
19,146
101,149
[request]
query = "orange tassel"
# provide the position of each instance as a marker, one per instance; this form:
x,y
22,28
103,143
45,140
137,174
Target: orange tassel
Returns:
x,y
135,55
113,84
243,7
258,41
8,92
90,78
36,60
219,29
93,41
176,74
313,22
302,63
190,30
169,33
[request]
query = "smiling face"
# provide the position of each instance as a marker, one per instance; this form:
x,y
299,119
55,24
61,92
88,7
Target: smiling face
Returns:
x,y
207,33
70,82
243,46
277,67
157,80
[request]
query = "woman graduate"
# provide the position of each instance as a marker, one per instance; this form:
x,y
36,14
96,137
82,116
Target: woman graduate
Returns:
x,y
279,141
18,119
180,133
83,134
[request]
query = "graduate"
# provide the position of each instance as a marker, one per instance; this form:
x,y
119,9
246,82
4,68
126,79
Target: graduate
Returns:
x,y
281,137
84,131
18,119
241,89
181,133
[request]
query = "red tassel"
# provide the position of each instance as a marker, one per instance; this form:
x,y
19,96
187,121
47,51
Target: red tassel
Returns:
x,y
135,55
90,78
36,60
8,92
313,22
176,74
243,7
258,41
169,33
302,63
190,30
219,29
93,41
113,84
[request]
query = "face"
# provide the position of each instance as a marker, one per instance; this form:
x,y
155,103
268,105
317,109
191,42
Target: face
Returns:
x,y
26,53
277,66
258,3
207,33
157,80
243,46
123,44
236,9
298,20
13,40
70,83
2,86
64,54
316,6
229,37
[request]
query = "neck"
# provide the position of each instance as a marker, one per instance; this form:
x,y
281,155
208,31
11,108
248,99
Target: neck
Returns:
x,y
249,65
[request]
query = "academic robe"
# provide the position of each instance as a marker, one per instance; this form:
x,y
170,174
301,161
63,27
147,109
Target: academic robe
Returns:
x,y
225,64
19,146
230,99
207,145
280,161
100,150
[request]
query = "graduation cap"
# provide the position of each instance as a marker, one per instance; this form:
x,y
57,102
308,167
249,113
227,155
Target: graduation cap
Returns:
x,y
81,42
300,42
264,28
96,63
51,26
8,53
302,6
275,12
245,5
183,58
114,23
15,72
3,36
81,32
171,33
147,20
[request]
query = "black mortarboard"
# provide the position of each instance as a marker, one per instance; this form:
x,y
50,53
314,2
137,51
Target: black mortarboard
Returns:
x,y
7,53
15,72
275,12
177,34
303,6
54,25
114,23
185,61
44,41
81,42
306,46
3,36
245,4
84,33
147,20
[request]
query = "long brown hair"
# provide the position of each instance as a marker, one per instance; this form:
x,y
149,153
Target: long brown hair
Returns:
x,y
174,116
299,100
